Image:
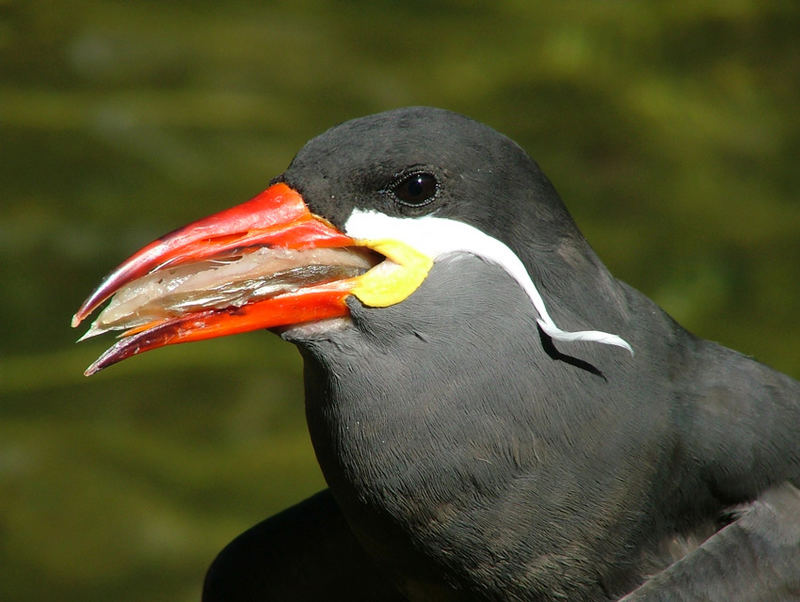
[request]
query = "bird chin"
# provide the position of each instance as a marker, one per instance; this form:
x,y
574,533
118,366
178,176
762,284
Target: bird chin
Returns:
x,y
297,333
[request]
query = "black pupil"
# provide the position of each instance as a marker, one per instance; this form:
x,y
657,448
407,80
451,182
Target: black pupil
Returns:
x,y
416,189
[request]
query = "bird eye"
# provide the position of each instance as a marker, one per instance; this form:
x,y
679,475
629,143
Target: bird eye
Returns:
x,y
416,189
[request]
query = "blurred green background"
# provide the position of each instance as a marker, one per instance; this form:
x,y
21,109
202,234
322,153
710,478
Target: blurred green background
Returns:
x,y
672,131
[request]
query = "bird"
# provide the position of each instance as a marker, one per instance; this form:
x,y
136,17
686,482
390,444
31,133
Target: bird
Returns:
x,y
496,416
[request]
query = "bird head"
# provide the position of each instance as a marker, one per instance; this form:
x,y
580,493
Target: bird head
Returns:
x,y
363,212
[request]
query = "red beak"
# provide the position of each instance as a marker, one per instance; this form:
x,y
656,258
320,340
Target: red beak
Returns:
x,y
277,221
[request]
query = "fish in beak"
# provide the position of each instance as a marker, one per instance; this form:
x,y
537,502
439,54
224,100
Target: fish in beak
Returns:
x,y
266,263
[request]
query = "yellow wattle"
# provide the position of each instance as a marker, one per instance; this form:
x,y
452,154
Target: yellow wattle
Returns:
x,y
385,285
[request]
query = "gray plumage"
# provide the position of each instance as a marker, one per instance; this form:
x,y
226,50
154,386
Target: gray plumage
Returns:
x,y
473,458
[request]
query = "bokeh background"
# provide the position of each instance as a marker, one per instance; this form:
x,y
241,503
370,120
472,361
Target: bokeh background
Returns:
x,y
672,130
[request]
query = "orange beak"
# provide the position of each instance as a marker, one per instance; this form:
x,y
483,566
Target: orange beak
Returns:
x,y
256,265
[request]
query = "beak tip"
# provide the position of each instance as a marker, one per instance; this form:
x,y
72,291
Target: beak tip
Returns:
x,y
83,311
95,367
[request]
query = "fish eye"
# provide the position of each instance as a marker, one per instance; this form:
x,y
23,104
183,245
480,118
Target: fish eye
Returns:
x,y
416,189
